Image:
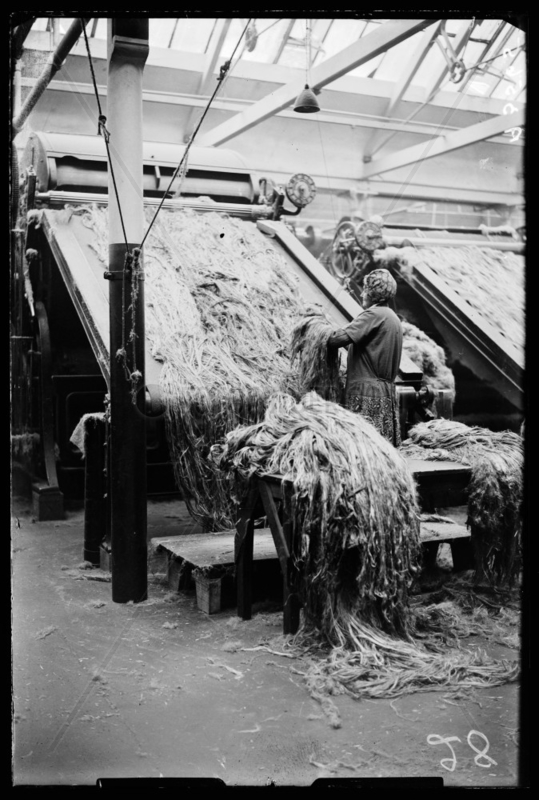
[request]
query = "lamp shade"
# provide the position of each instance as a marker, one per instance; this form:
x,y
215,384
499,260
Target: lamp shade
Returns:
x,y
306,102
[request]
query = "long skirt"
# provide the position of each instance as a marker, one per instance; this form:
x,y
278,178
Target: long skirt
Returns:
x,y
377,401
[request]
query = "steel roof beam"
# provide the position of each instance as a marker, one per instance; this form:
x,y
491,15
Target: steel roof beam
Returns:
x,y
207,80
445,144
19,35
472,72
380,40
282,45
458,44
402,84
80,90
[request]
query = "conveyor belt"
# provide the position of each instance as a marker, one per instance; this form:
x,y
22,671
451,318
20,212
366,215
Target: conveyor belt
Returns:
x,y
82,271
469,338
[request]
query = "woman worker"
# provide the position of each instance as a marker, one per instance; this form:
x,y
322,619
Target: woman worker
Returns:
x,y
374,341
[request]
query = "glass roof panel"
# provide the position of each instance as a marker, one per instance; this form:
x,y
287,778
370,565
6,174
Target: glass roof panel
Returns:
x,y
486,29
294,52
453,26
161,31
472,53
396,58
366,69
270,34
319,31
498,42
40,24
341,34
191,35
432,62
101,29
371,26
236,29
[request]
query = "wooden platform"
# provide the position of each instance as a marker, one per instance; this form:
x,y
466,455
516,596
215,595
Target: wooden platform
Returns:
x,y
215,550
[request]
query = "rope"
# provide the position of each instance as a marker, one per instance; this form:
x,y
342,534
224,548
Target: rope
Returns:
x,y
222,74
102,131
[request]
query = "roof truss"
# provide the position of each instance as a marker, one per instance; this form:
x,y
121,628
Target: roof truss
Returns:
x,y
444,144
402,84
367,47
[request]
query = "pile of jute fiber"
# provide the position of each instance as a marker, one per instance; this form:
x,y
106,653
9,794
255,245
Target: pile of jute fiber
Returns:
x,y
428,356
353,508
495,494
318,368
352,503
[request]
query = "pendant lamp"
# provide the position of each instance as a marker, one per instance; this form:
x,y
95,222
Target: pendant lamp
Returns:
x,y
306,102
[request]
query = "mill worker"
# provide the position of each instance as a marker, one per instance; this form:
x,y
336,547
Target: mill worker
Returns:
x,y
374,342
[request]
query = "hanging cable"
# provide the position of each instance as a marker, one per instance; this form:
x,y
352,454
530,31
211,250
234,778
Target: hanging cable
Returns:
x,y
223,71
231,70
500,55
326,168
102,131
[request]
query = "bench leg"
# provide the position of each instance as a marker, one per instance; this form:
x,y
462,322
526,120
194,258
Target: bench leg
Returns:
x,y
291,603
291,607
430,552
244,571
208,594
178,573
243,551
462,555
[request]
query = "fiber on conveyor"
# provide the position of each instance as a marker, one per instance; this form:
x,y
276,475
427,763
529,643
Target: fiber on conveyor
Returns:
x,y
221,304
428,356
491,282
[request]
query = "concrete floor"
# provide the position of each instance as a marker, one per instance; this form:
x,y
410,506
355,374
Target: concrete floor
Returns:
x,y
159,689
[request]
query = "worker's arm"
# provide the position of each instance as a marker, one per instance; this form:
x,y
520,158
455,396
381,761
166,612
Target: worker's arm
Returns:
x,y
339,338
360,328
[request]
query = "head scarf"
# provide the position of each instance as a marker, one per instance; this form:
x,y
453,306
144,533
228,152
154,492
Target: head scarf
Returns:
x,y
380,285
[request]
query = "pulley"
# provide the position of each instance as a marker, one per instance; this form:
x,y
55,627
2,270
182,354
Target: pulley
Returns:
x,y
300,190
369,236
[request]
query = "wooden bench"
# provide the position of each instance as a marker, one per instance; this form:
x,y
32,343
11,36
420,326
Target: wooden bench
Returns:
x,y
439,484
211,552
214,552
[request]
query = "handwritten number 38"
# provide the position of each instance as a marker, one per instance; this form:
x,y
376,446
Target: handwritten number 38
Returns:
x,y
451,763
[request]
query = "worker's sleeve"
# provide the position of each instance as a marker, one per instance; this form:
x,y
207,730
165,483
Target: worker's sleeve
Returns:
x,y
362,326
339,339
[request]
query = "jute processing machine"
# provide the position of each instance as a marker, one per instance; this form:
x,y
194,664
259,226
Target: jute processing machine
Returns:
x,y
489,352
60,305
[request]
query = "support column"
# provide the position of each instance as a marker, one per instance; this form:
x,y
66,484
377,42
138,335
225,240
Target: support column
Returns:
x,y
127,53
